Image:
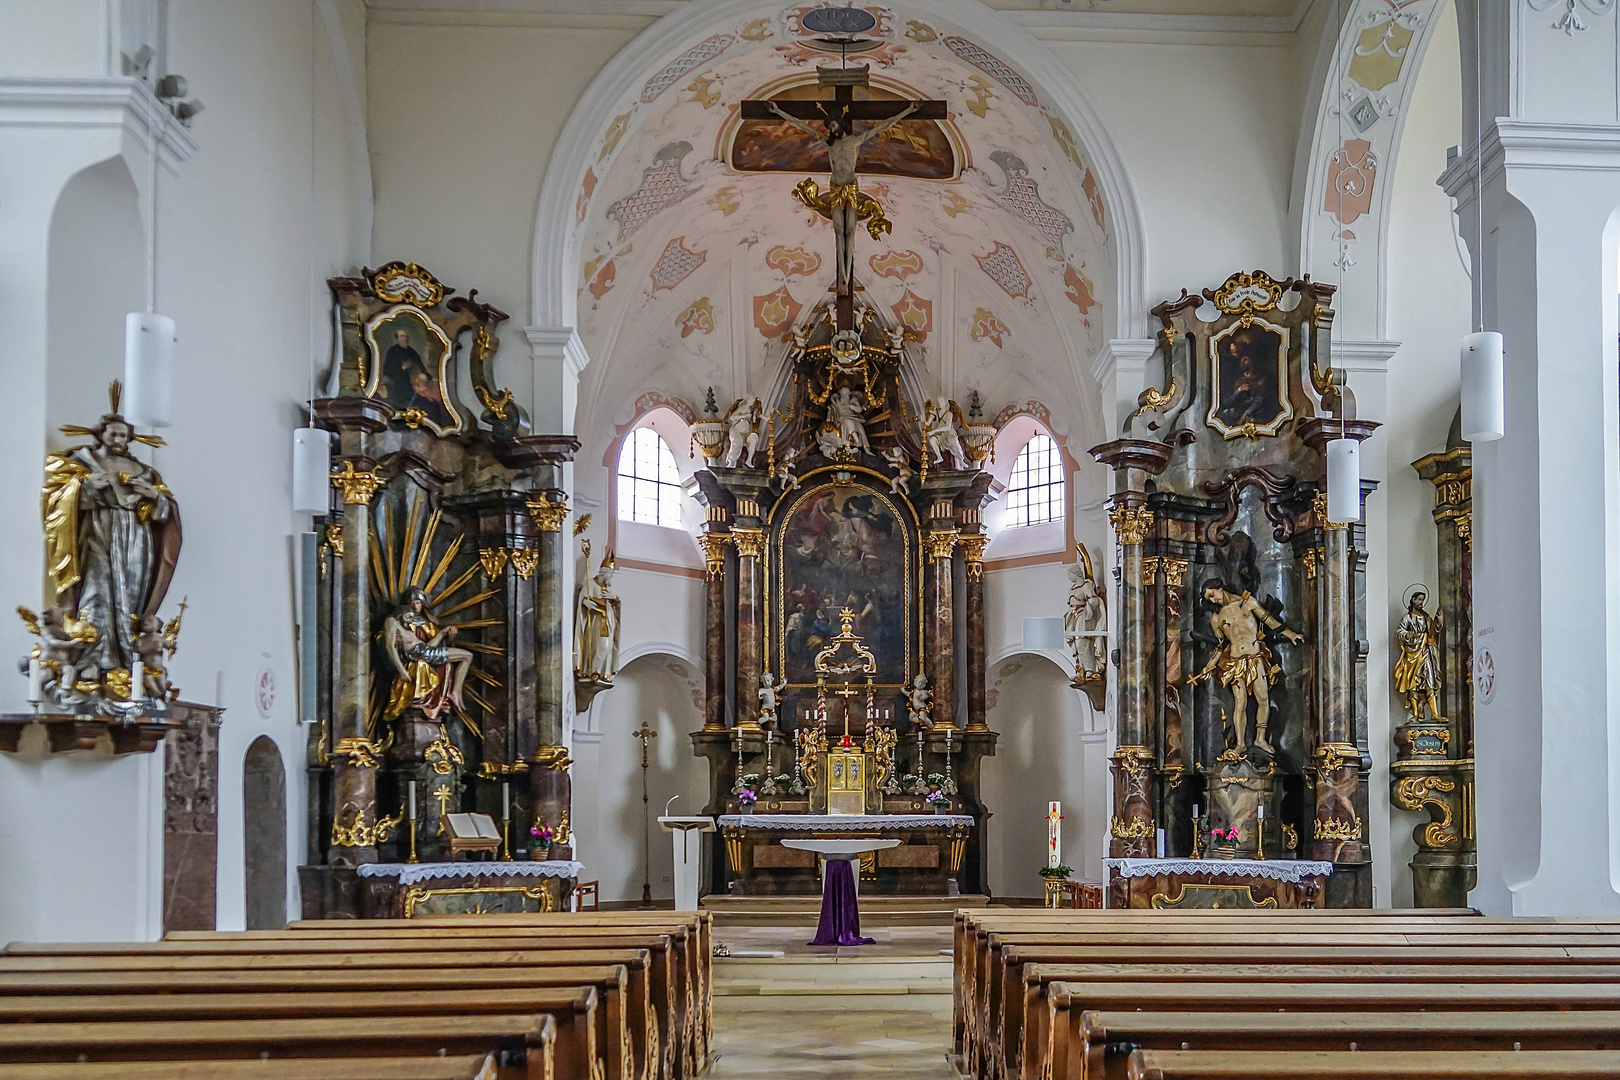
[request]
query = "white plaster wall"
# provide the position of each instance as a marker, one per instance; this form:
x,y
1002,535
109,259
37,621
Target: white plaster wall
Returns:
x,y
244,248
1428,314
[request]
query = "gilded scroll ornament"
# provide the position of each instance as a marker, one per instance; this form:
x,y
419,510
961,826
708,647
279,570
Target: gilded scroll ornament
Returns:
x,y
1311,558
417,896
1134,829
1248,293
406,283
442,756
334,539
553,757
362,833
1416,792
493,561
548,514
360,753
1335,756
1290,838
1131,523
524,561
1338,830
1319,508
495,404
358,486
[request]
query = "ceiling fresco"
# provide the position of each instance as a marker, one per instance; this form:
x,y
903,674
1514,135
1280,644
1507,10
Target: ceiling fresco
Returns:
x,y
696,258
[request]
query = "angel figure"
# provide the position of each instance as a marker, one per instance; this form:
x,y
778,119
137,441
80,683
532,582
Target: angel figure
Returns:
x,y
1084,623
149,647
1417,671
940,417
767,700
431,669
62,638
785,466
745,422
919,702
112,537
900,483
843,196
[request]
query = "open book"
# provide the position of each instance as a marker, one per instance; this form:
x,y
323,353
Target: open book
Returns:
x,y
472,827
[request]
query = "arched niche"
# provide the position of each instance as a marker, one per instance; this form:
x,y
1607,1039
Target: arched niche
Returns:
x,y
1043,755
264,834
664,691
96,274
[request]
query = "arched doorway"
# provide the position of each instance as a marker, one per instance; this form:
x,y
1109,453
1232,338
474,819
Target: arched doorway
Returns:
x,y
264,834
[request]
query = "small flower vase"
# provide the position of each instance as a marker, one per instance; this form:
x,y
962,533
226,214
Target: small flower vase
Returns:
x,y
1226,850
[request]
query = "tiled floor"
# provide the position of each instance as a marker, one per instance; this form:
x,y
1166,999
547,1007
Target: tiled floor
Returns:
x,y
833,1012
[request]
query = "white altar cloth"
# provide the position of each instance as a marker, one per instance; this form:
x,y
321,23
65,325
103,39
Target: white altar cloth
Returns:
x,y
818,822
412,873
1289,870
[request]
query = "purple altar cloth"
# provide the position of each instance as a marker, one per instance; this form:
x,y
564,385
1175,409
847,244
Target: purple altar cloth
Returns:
x,y
840,915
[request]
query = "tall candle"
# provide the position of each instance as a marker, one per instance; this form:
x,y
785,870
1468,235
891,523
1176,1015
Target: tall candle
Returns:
x,y
412,790
36,680
1054,834
137,681
1160,839
506,800
1261,811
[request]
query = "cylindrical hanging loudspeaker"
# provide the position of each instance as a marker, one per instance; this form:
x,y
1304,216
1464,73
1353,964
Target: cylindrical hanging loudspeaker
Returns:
x,y
312,466
1343,481
1483,405
148,369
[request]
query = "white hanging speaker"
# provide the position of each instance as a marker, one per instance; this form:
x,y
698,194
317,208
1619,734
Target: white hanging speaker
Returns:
x,y
1343,481
1483,405
312,467
148,369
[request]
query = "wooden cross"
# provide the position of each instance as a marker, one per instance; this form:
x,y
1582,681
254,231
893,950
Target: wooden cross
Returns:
x,y
839,118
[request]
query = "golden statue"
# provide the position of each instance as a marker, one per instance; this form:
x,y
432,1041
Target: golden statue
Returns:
x,y
1243,657
431,670
1417,671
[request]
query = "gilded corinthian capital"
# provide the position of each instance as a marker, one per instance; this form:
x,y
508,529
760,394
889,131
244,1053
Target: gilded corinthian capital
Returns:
x,y
357,486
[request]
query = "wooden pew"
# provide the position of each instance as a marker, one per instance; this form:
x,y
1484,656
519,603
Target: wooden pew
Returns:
x,y
290,955
572,1011
522,1045
1107,1039
1388,1065
471,1067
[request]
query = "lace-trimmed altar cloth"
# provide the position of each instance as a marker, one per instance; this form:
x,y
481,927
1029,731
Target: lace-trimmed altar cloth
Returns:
x,y
817,822
412,873
1289,870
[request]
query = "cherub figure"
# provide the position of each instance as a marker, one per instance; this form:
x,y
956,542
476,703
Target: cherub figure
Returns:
x,y
149,647
785,466
919,702
767,700
900,482
62,638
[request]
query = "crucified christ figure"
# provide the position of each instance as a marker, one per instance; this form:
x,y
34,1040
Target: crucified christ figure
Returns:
x,y
844,141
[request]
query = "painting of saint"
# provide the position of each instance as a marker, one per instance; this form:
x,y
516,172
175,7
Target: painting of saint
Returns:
x,y
919,149
1249,381
843,546
407,358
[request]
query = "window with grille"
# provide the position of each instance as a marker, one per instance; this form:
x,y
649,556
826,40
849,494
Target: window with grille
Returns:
x,y
1035,488
649,486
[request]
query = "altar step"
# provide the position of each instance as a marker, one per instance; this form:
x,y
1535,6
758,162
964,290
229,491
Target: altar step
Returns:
x,y
804,910
831,976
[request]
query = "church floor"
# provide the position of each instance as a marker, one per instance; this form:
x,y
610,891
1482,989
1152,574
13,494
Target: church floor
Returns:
x,y
831,1012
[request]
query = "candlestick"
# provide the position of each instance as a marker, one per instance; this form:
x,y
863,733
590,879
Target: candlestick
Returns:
x,y
1260,832
1197,835
36,680
506,816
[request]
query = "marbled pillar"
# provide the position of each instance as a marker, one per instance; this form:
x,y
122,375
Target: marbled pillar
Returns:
x,y
1338,832
1132,831
550,792
973,545
941,541
714,629
750,543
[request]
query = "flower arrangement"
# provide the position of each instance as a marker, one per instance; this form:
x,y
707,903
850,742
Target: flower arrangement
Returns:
x,y
747,797
543,836
1060,872
935,798
1224,836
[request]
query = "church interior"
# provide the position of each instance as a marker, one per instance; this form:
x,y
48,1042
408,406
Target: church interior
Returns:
x,y
995,539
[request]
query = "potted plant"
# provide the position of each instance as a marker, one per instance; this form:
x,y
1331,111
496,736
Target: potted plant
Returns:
x,y
936,800
1053,877
747,797
543,835
1225,841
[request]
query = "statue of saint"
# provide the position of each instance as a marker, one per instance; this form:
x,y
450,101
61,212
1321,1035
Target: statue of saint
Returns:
x,y
940,417
846,414
843,194
1417,671
1243,657
431,669
1084,628
596,627
112,537
745,427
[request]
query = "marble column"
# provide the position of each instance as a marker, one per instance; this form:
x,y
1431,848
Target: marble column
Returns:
x,y
973,546
941,541
1339,832
550,790
1132,829
714,629
355,756
750,622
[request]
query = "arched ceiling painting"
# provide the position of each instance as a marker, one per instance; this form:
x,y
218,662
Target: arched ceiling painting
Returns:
x,y
695,258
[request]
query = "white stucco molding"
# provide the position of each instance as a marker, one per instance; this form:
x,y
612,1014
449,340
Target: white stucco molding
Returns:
x,y
1511,144
1120,369
555,256
122,107
1064,22
1364,357
558,357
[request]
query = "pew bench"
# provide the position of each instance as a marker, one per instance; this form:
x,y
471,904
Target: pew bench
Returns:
x,y
1389,1065
468,1067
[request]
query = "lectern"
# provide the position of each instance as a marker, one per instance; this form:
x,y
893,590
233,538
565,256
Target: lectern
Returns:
x,y
688,855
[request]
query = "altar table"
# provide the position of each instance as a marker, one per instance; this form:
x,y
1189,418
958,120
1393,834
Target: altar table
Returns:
x,y
1214,883
405,890
840,909
924,862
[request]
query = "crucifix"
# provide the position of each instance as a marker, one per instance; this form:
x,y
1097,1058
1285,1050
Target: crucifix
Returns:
x,y
644,733
847,125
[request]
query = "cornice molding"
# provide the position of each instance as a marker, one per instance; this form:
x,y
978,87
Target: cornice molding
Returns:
x,y
1533,144
1366,357
558,342
1061,23
124,104
1122,354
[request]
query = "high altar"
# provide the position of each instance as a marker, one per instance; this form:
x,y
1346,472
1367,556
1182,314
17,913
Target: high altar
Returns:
x,y
436,644
1242,708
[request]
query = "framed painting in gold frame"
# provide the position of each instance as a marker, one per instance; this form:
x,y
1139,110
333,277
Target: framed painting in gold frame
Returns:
x,y
1248,365
409,368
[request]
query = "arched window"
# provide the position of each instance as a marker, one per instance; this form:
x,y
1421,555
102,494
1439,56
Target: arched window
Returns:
x,y
1035,488
649,485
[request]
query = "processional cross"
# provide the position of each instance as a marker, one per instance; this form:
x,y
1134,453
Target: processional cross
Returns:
x,y
849,125
644,733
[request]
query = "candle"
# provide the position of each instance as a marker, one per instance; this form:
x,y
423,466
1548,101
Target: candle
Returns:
x,y
1261,809
1054,834
1160,839
506,800
1195,812
137,681
412,790
36,680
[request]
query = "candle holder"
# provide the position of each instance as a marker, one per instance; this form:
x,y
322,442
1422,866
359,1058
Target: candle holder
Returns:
x,y
1197,837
